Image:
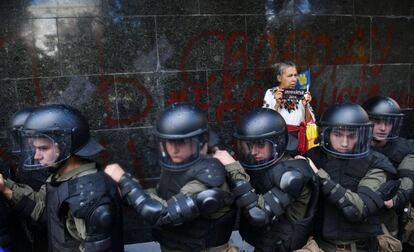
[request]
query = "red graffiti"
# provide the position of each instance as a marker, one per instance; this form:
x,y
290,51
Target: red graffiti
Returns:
x,y
235,54
238,87
113,121
384,50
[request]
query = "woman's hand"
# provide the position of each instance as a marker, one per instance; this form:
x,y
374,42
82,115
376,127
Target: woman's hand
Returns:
x,y
278,94
307,98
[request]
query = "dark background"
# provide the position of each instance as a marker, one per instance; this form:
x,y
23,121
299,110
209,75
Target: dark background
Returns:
x,y
122,62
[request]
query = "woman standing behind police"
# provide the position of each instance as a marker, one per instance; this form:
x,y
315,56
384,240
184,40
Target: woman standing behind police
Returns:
x,y
296,113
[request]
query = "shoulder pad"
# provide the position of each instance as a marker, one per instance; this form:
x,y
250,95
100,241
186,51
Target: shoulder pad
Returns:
x,y
302,166
210,172
401,147
289,171
406,145
299,165
85,192
380,161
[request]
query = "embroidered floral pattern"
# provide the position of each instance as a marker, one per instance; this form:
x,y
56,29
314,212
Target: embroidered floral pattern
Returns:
x,y
290,105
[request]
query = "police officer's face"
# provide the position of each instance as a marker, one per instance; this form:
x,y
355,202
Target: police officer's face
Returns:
x,y
343,140
261,151
180,150
46,151
382,129
288,78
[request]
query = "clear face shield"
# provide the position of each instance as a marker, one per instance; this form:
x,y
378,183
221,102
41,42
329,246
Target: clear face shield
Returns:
x,y
260,153
386,127
41,151
347,141
179,154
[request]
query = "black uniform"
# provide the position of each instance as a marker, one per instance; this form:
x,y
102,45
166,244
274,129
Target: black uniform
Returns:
x,y
79,203
191,210
203,231
387,117
353,181
279,201
93,198
334,220
396,151
286,232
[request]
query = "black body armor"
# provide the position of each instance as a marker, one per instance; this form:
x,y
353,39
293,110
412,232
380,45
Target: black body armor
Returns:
x,y
333,223
202,232
281,234
93,198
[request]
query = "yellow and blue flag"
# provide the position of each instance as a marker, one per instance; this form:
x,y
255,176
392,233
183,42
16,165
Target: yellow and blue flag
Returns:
x,y
304,80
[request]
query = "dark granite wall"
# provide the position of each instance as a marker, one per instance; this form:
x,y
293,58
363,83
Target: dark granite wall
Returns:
x,y
122,62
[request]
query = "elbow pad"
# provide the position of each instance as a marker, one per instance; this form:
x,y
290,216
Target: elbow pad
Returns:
x,y
183,208
180,209
292,183
258,217
212,200
98,229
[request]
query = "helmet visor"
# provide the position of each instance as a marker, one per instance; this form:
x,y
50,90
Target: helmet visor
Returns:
x,y
259,153
178,154
386,127
41,151
347,141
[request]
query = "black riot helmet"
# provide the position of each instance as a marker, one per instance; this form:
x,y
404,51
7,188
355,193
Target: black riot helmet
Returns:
x,y
345,131
53,133
15,124
182,132
385,114
262,138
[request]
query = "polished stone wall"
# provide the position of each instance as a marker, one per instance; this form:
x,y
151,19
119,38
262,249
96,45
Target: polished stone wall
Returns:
x,y
122,62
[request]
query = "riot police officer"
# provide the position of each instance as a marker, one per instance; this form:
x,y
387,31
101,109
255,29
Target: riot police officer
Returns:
x,y
36,233
191,208
79,203
353,181
279,201
386,115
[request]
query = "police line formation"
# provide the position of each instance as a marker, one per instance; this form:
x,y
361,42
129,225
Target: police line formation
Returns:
x,y
350,190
